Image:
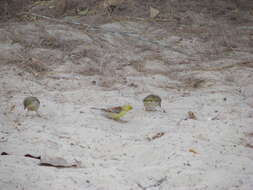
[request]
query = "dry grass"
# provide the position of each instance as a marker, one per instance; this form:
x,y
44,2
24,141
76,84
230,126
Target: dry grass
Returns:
x,y
212,24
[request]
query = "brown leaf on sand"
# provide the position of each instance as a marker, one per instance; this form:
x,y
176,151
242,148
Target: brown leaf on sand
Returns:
x,y
191,115
192,151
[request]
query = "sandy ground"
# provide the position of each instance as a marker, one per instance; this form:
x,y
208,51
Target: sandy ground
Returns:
x,y
212,152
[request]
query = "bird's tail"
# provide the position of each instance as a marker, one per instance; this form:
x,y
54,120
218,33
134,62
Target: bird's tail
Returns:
x,y
96,108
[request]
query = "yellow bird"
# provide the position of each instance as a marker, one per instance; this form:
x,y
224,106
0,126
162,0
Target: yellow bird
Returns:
x,y
31,103
151,102
115,112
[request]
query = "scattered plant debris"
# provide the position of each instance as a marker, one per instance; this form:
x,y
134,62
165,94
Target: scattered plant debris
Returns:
x,y
31,156
193,151
191,115
156,136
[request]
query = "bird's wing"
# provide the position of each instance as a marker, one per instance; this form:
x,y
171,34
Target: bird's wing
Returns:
x,y
37,100
26,103
114,109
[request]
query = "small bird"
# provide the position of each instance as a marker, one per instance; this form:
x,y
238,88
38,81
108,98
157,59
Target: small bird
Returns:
x,y
115,113
151,102
31,103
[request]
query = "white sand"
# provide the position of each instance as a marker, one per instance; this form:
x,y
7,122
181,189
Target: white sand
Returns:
x,y
118,156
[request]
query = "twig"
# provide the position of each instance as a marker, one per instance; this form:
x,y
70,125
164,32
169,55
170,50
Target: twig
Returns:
x,y
156,136
56,20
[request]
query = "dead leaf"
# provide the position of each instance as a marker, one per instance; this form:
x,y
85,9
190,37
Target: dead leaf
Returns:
x,y
193,151
153,12
191,115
